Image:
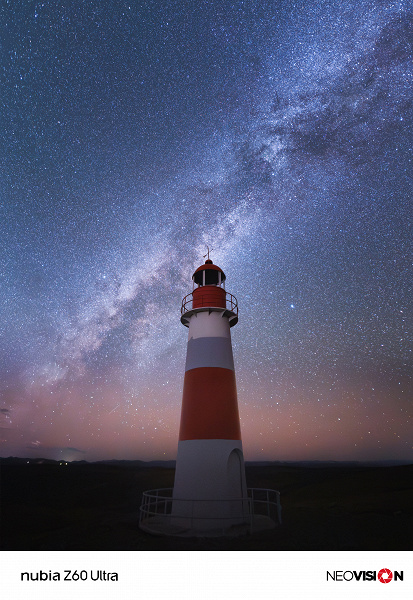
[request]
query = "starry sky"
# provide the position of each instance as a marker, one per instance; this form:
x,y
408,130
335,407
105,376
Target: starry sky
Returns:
x,y
133,135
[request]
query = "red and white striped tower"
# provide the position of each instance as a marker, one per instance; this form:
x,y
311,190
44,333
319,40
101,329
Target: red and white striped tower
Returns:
x,y
210,474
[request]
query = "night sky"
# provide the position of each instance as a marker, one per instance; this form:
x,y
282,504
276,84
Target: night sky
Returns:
x,y
133,135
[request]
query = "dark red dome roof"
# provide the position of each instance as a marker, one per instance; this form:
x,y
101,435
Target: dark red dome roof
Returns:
x,y
209,266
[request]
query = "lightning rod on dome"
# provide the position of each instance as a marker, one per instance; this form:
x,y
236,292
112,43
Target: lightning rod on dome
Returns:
x,y
207,255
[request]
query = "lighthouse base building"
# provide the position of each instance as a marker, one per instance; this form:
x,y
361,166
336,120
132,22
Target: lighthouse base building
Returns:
x,y
210,496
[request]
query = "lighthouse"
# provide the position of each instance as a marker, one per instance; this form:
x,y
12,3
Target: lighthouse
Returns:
x,y
210,483
209,497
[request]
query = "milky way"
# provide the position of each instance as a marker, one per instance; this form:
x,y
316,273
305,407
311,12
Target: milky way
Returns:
x,y
134,134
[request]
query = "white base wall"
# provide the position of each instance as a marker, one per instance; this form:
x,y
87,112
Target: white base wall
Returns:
x,y
209,485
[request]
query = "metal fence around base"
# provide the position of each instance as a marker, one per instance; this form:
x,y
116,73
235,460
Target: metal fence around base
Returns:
x,y
162,514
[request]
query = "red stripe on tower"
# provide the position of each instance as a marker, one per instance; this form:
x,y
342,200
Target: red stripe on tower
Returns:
x,y
209,405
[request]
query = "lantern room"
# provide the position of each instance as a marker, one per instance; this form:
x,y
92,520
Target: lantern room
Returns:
x,y
209,294
209,274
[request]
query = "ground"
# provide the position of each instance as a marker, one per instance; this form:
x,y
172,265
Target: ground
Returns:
x,y
95,507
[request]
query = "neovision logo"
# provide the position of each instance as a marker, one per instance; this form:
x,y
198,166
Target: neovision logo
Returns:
x,y
384,576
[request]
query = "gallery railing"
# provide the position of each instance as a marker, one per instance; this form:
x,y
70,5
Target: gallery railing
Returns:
x,y
159,512
231,303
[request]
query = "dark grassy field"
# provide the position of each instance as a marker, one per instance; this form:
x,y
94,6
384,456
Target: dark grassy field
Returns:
x,y
95,507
